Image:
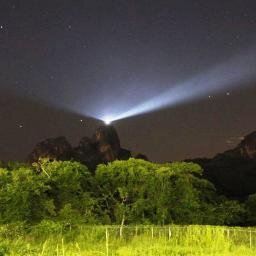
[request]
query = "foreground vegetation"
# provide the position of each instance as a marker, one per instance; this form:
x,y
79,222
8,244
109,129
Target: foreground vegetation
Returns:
x,y
122,192
51,238
128,207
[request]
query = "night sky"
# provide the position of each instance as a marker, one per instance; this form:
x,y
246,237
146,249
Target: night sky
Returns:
x,y
66,64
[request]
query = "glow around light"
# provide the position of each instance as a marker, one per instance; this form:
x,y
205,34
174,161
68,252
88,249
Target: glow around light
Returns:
x,y
107,120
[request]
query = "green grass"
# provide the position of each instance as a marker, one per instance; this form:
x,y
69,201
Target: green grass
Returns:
x,y
52,239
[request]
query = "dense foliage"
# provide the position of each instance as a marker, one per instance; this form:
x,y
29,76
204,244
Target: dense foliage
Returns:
x,y
122,192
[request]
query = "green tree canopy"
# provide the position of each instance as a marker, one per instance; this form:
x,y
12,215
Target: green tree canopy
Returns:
x,y
141,191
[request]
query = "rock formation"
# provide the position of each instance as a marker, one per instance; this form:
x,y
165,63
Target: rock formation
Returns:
x,y
103,147
107,143
86,153
234,171
246,149
53,148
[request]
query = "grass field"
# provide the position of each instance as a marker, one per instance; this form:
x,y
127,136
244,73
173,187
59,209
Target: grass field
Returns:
x,y
55,240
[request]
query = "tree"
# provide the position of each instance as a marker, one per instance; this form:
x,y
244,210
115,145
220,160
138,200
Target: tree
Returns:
x,y
250,205
48,190
140,191
70,187
122,189
22,195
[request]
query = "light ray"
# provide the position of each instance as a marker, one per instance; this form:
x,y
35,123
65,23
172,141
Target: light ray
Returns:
x,y
230,74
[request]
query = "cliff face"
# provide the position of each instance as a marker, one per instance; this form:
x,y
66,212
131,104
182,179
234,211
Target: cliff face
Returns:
x,y
107,143
53,148
234,171
104,146
246,149
248,146
86,153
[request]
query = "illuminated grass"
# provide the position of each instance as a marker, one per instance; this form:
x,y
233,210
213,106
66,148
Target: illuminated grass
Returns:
x,y
134,241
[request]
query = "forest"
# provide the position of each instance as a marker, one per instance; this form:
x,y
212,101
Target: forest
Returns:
x,y
122,192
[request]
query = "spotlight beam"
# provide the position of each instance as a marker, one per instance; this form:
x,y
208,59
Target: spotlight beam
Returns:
x,y
230,74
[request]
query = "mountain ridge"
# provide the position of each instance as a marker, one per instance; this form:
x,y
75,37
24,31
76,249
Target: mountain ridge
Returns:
x,y
233,172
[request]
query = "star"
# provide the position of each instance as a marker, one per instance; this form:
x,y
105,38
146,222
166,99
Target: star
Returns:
x,y
69,26
82,122
20,126
1,27
228,93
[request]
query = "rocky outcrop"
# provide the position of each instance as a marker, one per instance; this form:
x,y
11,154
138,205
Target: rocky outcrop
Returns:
x,y
53,148
103,147
141,156
107,142
86,153
246,149
234,171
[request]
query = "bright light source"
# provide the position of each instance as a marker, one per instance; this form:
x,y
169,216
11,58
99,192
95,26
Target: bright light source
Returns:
x,y
107,120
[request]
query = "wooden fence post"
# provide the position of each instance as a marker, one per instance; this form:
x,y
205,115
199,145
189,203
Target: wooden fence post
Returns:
x,y
250,238
228,233
152,232
169,233
107,237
